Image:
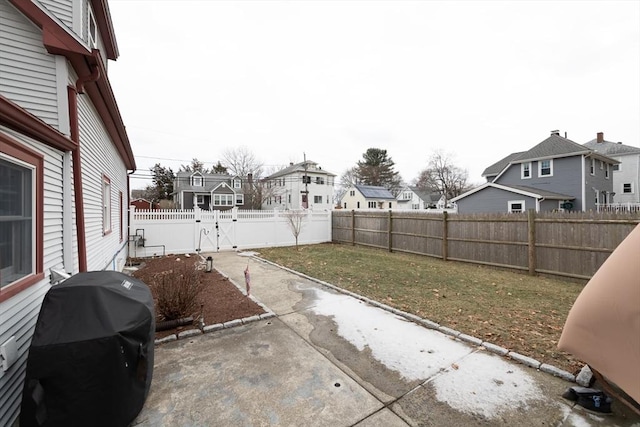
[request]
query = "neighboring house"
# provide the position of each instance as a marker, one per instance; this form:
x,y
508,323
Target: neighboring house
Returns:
x,y
64,157
414,198
209,191
368,197
556,174
626,175
143,204
303,185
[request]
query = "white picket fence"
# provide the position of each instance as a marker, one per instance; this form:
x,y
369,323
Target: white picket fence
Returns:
x,y
172,231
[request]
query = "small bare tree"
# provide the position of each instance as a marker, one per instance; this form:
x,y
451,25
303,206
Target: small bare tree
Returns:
x,y
295,220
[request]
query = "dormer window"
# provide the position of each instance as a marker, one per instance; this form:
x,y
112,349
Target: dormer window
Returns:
x,y
237,183
197,180
92,31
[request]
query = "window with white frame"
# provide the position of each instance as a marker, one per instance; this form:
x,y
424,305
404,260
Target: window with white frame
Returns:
x,y
317,199
617,167
415,206
601,165
525,169
627,188
237,183
352,193
197,180
106,204
223,199
92,30
17,220
545,167
516,206
592,167
372,205
199,199
319,180
239,199
607,171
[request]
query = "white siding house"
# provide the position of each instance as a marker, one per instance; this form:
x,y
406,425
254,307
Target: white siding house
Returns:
x,y
626,175
368,197
64,158
302,185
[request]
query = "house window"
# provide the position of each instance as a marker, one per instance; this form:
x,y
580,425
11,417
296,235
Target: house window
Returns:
x,y
289,198
592,168
352,193
92,31
372,205
601,165
516,206
237,183
358,205
345,205
525,169
121,215
21,211
546,168
607,170
390,205
415,206
223,199
627,188
317,199
106,205
197,180
319,180
199,199
616,167
239,199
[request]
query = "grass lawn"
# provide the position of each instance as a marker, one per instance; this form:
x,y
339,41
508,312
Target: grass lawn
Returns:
x,y
519,312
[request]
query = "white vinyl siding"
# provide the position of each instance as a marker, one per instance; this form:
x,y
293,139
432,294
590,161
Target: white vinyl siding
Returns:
x,y
19,313
100,158
27,71
61,9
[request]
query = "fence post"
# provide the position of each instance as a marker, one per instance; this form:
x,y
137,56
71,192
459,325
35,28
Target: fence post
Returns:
x,y
531,221
390,230
445,236
353,227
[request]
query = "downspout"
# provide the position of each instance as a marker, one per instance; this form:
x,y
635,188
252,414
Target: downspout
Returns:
x,y
583,202
73,92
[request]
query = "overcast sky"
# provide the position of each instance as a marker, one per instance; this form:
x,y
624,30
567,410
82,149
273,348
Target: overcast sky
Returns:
x,y
476,79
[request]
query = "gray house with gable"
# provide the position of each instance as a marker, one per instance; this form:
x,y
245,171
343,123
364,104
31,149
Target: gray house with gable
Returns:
x,y
556,174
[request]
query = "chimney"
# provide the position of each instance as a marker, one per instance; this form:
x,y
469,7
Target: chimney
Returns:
x,y
250,178
600,138
555,132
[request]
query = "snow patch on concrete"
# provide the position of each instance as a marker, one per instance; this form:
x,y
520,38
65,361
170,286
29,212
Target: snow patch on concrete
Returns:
x,y
474,382
411,350
486,384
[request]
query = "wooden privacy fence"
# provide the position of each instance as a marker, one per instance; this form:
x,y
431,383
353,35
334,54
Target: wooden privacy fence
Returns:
x,y
563,244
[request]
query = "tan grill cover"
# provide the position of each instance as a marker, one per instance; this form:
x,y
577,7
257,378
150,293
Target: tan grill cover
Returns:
x,y
603,326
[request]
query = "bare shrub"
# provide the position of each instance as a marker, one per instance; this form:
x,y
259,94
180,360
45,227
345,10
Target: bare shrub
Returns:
x,y
176,292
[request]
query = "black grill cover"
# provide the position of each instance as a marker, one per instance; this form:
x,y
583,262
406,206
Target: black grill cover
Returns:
x,y
91,357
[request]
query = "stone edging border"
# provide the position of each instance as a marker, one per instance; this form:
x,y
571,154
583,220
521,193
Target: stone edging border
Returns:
x,y
520,358
268,314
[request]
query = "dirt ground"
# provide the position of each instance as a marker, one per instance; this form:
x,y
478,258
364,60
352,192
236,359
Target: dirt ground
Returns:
x,y
220,300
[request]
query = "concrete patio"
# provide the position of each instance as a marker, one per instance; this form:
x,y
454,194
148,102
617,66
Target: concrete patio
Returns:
x,y
329,359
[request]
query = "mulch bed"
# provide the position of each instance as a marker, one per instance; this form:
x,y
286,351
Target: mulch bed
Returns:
x,y
220,301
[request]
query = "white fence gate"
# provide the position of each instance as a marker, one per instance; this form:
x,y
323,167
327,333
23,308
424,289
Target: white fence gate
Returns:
x,y
165,231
